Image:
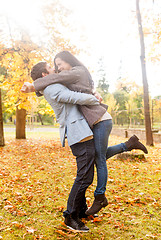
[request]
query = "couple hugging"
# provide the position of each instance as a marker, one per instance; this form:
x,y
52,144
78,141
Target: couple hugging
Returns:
x,y
69,89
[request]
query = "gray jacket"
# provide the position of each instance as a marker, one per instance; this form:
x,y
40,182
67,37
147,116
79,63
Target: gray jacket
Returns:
x,y
72,123
76,79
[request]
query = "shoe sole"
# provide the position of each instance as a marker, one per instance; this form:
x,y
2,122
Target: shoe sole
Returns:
x,y
145,149
102,206
76,230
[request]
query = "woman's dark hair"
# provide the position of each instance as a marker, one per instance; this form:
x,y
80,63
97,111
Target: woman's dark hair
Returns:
x,y
38,69
68,58
73,61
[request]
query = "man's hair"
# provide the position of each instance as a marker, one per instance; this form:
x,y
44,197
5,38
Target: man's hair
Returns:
x,y
38,69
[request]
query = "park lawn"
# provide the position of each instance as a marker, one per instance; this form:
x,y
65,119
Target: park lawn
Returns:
x,y
36,175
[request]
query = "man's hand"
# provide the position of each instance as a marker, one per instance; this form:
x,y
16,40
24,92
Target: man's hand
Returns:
x,y
98,96
27,87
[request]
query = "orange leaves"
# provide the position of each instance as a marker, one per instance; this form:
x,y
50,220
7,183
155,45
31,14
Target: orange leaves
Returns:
x,y
62,233
36,176
11,208
96,220
119,225
66,232
31,230
137,201
19,225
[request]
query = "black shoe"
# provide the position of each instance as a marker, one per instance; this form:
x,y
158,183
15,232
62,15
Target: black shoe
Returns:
x,y
75,224
100,201
134,143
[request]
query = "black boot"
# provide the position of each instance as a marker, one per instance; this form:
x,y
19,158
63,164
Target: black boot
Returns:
x,y
100,201
134,143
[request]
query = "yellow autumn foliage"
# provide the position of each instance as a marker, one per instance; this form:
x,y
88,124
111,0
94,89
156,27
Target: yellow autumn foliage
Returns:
x,y
18,61
19,56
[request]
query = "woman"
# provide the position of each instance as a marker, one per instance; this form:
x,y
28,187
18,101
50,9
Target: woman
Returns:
x,y
74,75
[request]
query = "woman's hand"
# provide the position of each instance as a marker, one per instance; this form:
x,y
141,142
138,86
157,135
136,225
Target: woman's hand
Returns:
x,y
28,87
98,96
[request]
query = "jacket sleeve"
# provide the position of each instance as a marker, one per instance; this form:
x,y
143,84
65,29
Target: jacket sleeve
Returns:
x,y
64,77
62,94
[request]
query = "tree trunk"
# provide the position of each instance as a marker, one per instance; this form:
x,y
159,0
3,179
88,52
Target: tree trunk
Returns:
x,y
149,135
20,123
1,124
39,115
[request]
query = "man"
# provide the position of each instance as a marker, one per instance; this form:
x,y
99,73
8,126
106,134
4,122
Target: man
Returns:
x,y
80,139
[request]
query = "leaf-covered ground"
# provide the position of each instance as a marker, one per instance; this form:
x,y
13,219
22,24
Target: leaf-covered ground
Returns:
x,y
35,179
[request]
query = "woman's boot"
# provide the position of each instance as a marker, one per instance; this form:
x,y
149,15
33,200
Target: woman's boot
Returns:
x,y
134,143
100,201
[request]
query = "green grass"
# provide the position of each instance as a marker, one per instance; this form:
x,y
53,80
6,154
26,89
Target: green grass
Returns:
x,y
36,176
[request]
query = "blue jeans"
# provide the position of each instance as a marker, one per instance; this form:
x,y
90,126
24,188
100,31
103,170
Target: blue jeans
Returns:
x,y
101,133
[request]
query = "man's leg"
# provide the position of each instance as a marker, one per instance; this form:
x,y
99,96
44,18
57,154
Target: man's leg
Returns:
x,y
85,156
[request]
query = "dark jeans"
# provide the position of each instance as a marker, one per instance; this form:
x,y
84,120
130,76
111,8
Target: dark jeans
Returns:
x,y
85,157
